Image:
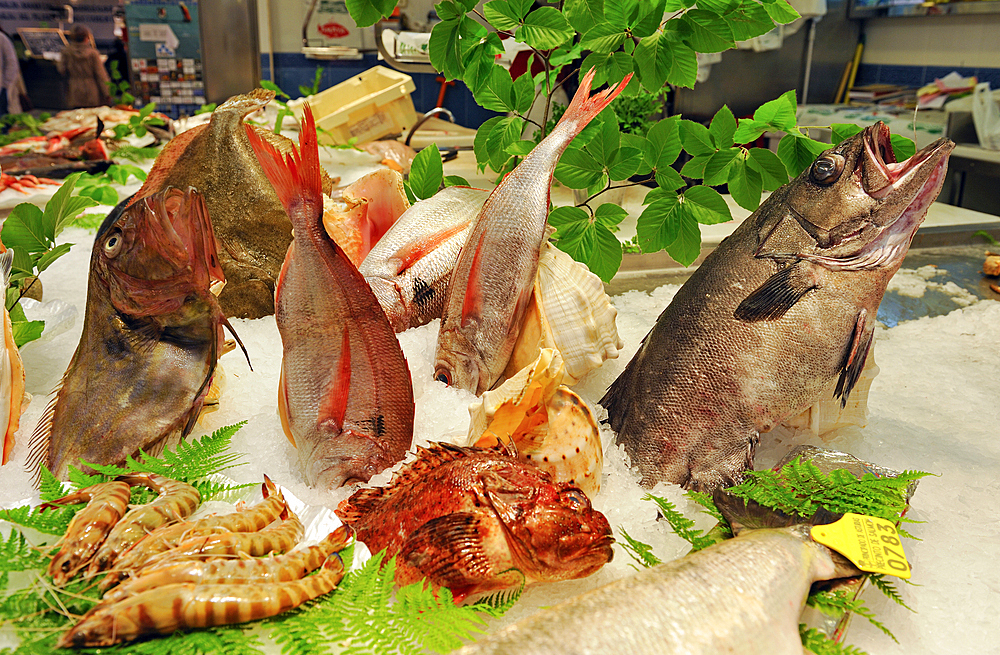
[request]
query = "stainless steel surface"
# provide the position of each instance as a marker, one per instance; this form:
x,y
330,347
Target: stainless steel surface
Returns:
x,y
230,47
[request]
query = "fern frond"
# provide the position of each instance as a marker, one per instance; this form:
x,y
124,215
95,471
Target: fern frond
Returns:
x,y
835,602
705,501
51,521
211,490
816,642
640,552
888,589
49,487
680,524
16,554
496,605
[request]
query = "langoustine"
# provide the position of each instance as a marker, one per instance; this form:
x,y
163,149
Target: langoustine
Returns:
x,y
189,605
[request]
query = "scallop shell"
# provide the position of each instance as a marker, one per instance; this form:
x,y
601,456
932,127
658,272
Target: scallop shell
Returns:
x,y
549,424
570,312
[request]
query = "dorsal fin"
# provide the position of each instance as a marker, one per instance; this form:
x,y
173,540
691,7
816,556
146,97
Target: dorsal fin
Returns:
x,y
165,163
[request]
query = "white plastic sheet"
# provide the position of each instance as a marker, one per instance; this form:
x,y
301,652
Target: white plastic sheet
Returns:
x,y
986,116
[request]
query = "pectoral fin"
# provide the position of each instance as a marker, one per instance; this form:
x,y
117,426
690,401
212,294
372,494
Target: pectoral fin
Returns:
x,y
448,550
778,294
472,303
412,252
333,406
854,360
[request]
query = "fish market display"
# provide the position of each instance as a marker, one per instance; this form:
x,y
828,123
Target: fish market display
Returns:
x,y
492,281
58,154
777,317
743,595
476,520
345,395
251,227
151,337
22,183
12,394
365,210
409,268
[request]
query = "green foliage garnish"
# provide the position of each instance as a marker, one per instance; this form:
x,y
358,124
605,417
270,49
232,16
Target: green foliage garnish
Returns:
x,y
888,589
986,236
802,488
98,185
118,87
140,123
50,521
135,153
314,89
837,602
684,527
426,174
283,110
816,642
16,554
640,552
89,222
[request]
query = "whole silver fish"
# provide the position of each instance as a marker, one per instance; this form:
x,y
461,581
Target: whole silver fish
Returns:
x,y
743,595
409,267
780,315
492,281
345,396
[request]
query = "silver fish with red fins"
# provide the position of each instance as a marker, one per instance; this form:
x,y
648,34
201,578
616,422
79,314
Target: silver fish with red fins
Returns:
x,y
493,277
779,316
151,337
345,396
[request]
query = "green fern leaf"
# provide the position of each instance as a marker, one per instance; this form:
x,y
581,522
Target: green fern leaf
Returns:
x,y
836,602
640,552
888,589
816,642
51,521
16,554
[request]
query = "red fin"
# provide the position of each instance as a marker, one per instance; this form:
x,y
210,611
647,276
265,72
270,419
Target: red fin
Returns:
x,y
472,303
333,406
283,407
298,175
414,251
585,107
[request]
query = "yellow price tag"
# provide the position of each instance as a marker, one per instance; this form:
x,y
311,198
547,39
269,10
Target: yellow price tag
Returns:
x,y
871,543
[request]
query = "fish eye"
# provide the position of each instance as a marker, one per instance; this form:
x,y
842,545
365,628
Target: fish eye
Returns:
x,y
113,244
575,499
827,169
442,375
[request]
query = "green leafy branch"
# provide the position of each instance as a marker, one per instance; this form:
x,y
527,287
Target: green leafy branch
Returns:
x,y
118,87
20,126
139,124
99,185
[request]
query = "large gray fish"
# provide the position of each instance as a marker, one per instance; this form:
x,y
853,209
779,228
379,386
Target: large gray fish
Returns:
x,y
778,316
151,337
409,267
345,396
743,595
492,282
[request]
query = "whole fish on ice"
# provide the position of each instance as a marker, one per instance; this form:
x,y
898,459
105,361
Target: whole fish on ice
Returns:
x,y
743,595
477,520
11,369
151,337
778,316
492,281
409,268
345,396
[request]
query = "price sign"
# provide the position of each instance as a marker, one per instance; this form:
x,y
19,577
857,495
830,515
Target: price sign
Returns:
x,y
871,543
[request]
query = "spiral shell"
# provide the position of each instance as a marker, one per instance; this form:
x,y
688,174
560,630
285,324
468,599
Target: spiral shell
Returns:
x,y
569,312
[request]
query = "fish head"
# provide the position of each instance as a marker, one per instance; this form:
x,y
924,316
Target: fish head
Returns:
x,y
457,362
856,207
553,531
157,254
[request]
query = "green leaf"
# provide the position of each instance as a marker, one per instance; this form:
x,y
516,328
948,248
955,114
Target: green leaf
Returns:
x,y
654,59
102,195
63,207
772,171
50,256
903,147
502,15
663,143
658,224
781,12
706,206
687,246
520,148
524,93
603,38
669,179
577,169
650,16
584,14
723,127
610,215
26,331
545,28
797,153
426,172
455,180
720,7
748,21
444,48
708,32
745,185
607,138
695,167
639,143
24,230
640,552
779,113
619,65
480,60
720,165
841,131
625,163
498,92
591,242
505,132
449,10
480,140
696,138
622,13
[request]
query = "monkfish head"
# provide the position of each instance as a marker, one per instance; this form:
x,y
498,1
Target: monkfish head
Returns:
x,y
856,207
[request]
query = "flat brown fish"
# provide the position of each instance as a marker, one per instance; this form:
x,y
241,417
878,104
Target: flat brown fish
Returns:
x,y
251,226
779,316
476,520
151,337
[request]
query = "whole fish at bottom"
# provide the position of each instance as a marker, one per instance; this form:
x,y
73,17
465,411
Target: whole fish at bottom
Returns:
x,y
492,282
779,316
151,337
742,595
11,369
409,268
345,396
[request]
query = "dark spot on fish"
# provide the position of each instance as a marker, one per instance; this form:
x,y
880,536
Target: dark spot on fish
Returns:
x,y
577,449
564,457
376,424
423,293
545,459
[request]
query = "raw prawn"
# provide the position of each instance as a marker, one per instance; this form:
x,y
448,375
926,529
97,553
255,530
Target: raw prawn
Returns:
x,y
177,500
282,568
88,529
18,183
189,605
168,536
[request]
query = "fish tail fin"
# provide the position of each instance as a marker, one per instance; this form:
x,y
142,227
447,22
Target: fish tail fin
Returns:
x,y
584,107
295,178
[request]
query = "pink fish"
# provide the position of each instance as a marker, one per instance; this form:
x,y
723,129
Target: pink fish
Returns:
x,y
345,396
492,280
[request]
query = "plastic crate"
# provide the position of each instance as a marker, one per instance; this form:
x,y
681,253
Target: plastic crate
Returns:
x,y
366,107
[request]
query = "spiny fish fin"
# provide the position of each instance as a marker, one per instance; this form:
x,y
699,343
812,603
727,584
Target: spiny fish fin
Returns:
x,y
778,294
298,174
6,264
448,550
854,359
472,303
360,505
412,252
584,107
333,405
41,438
286,424
226,323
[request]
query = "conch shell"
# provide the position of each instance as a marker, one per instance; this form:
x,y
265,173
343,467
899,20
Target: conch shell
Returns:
x,y
549,424
569,312
364,212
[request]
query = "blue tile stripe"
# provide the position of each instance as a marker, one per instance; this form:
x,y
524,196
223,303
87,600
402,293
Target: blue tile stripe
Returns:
x,y
917,76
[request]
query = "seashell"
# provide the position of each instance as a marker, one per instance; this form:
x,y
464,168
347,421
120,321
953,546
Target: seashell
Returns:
x,y
827,416
365,210
570,312
549,424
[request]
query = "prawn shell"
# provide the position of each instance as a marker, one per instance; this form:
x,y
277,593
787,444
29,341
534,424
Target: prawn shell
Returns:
x,y
107,503
569,311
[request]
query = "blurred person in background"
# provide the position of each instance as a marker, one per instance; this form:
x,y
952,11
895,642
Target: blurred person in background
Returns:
x,y
81,63
10,75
